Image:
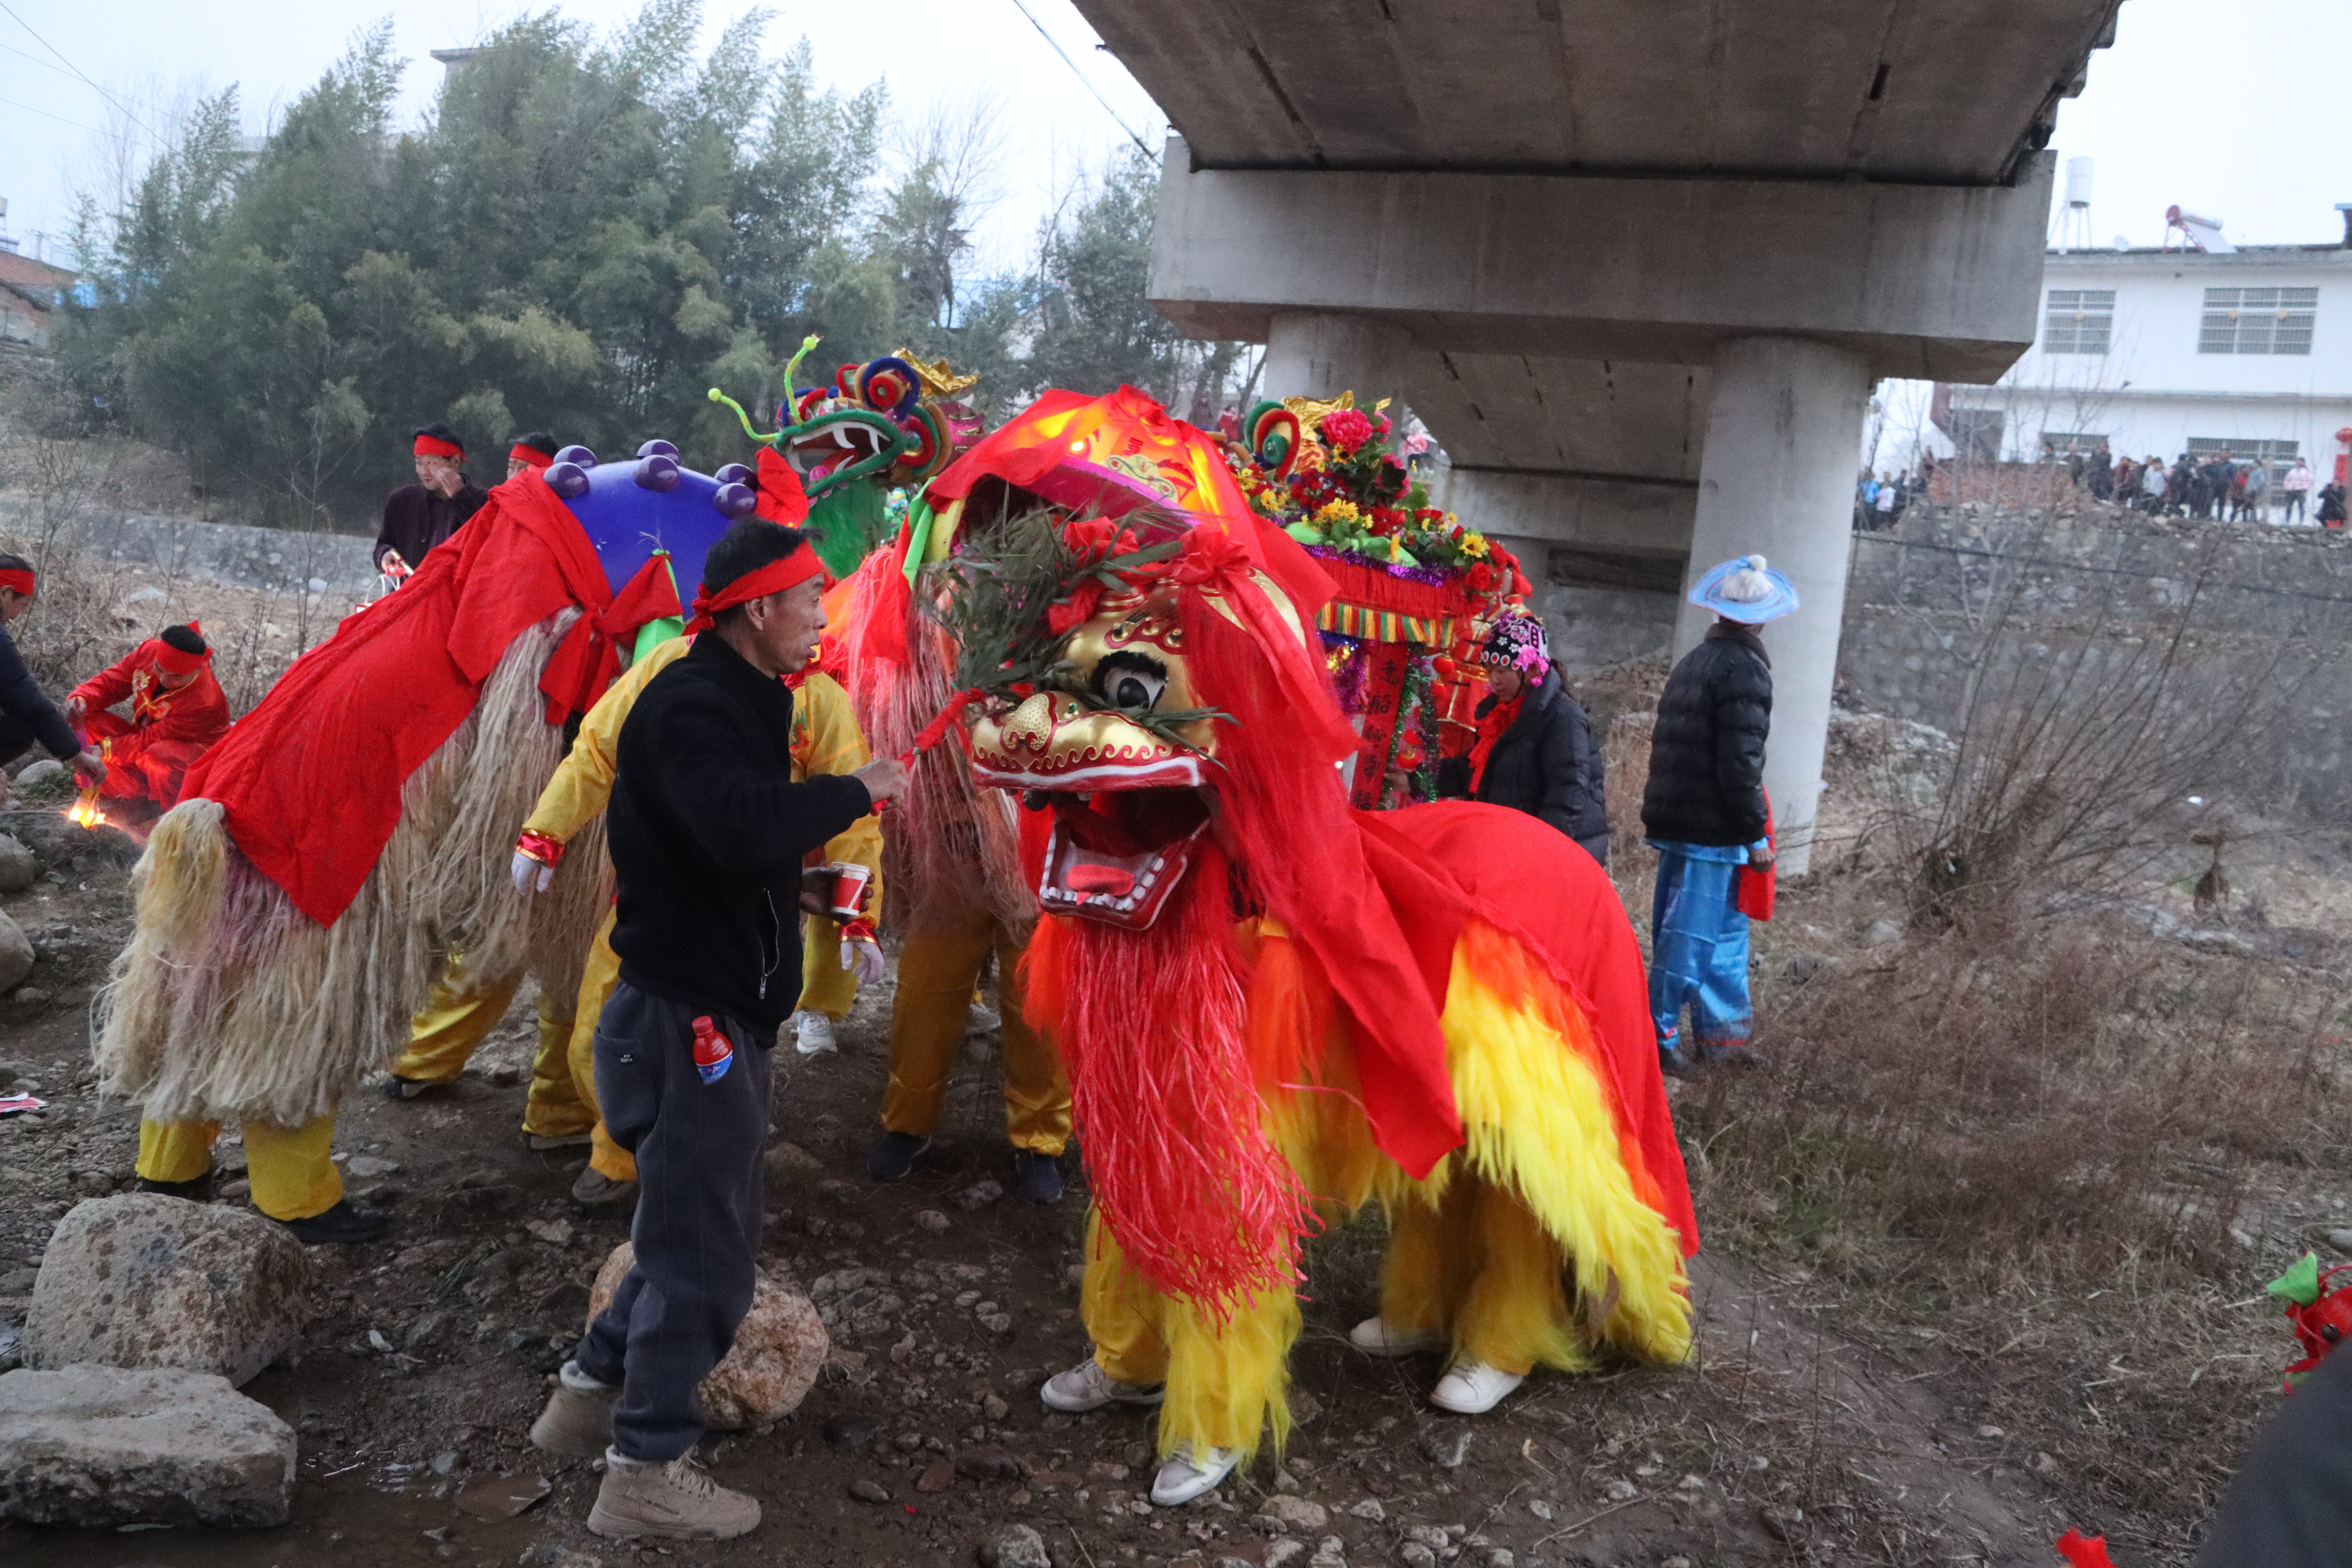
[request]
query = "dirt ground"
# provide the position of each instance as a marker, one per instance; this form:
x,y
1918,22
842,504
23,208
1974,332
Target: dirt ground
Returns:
x,y
1813,1427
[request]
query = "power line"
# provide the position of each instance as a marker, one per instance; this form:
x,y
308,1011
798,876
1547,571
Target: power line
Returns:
x,y
1066,60
35,59
79,72
47,115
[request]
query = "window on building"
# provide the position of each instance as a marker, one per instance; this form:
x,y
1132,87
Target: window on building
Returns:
x,y
2276,456
2258,320
2079,322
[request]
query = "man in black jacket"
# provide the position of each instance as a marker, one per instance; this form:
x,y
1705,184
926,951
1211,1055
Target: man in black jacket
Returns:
x,y
708,835
1535,750
26,714
419,516
1704,812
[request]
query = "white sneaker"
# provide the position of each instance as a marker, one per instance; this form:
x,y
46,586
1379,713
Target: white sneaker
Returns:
x,y
1190,1473
812,1034
1086,1387
1374,1337
1473,1388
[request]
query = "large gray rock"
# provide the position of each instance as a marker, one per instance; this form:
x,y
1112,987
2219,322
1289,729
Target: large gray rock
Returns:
x,y
101,1446
15,953
48,779
17,867
144,1280
779,1348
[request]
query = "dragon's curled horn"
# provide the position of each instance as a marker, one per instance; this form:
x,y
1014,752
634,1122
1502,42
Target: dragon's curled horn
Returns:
x,y
791,398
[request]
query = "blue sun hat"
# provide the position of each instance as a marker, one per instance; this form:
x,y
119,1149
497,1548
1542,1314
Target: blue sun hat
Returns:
x,y
1745,589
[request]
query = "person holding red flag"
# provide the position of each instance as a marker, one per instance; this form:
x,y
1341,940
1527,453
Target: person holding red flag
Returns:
x,y
177,712
419,516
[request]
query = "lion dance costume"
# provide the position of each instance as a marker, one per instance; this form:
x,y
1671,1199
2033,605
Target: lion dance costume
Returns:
x,y
1273,1007
354,828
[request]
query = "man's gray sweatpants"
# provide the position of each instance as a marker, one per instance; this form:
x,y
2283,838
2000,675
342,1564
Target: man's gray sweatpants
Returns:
x,y
698,1146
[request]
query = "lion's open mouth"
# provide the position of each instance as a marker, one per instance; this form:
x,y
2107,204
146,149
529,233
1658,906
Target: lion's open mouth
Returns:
x,y
1116,857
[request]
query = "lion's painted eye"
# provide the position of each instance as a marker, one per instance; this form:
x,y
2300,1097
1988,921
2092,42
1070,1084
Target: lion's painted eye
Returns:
x,y
1131,681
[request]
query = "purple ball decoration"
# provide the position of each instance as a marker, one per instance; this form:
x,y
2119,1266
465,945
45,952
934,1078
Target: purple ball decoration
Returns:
x,y
734,501
568,480
734,474
658,472
657,449
579,455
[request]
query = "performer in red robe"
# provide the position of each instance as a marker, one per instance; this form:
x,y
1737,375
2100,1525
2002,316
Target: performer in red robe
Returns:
x,y
177,712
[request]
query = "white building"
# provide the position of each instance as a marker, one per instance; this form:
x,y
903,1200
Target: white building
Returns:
x,y
2166,352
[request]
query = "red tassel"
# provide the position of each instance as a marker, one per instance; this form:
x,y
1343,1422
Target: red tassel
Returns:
x,y
2084,1551
939,726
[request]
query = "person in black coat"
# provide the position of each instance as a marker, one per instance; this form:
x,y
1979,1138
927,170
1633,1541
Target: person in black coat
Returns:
x,y
1536,751
26,714
1704,811
708,834
419,516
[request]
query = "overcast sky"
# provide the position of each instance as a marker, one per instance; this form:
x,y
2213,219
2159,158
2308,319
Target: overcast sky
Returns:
x,y
2171,113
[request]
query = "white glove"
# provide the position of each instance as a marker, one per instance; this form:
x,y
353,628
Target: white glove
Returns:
x,y
863,960
530,875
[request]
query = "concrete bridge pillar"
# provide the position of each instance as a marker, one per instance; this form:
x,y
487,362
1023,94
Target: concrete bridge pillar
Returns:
x,y
1777,478
1322,353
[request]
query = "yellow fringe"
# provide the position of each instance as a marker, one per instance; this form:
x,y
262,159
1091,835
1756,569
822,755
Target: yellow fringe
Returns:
x,y
1538,1121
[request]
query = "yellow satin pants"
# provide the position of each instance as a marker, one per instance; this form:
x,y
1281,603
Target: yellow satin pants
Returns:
x,y
454,1021
1476,1265
292,1175
929,1017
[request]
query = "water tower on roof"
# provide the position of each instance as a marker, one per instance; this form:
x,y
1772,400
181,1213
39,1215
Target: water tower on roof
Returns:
x,y
2070,225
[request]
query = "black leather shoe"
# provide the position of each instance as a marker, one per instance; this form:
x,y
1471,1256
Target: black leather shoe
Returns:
x,y
196,1189
340,1226
1037,1178
894,1154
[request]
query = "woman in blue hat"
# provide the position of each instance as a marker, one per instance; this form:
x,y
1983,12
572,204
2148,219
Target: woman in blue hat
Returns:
x,y
1704,812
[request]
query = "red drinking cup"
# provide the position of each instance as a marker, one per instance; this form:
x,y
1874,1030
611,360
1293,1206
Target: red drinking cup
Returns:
x,y
848,891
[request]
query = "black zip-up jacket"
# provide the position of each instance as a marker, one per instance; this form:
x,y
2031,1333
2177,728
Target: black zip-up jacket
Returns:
x,y
416,520
1548,763
1706,750
707,832
23,701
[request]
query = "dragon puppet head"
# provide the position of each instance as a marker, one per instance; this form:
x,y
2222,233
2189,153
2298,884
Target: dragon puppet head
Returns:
x,y
2319,1309
891,422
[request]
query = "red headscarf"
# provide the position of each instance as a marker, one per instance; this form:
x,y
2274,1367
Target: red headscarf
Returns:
x,y
530,456
179,661
19,578
434,446
774,578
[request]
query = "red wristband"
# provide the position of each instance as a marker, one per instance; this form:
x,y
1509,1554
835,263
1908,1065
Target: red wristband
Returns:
x,y
541,847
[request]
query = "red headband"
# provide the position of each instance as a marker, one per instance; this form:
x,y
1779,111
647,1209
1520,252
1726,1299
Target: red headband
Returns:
x,y
434,446
179,661
19,578
774,578
530,455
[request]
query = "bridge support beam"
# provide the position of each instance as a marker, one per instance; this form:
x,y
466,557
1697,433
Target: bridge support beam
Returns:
x,y
1776,480
1322,353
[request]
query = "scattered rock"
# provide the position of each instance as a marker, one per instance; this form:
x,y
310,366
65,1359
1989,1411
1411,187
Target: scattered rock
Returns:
x,y
936,1477
1304,1407
1284,1512
1106,1470
430,1329
848,1430
1283,1551
987,1465
779,1348
977,1195
1801,967
2044,1465
1414,1554
787,1163
103,1445
995,1409
1882,932
12,1349
30,996
144,1281
1368,1508
1676,1561
48,779
17,867
564,1301
15,953
2341,1240
932,1220
555,1231
1446,1446
866,1490
1014,1546
1541,1509
502,1075
1618,1490
368,1167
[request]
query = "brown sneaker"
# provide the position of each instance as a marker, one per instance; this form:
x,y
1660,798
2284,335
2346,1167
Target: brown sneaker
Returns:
x,y
677,1502
578,1420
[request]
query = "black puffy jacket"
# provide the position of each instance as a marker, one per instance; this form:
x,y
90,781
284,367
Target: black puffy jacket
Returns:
x,y
1707,750
1547,763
